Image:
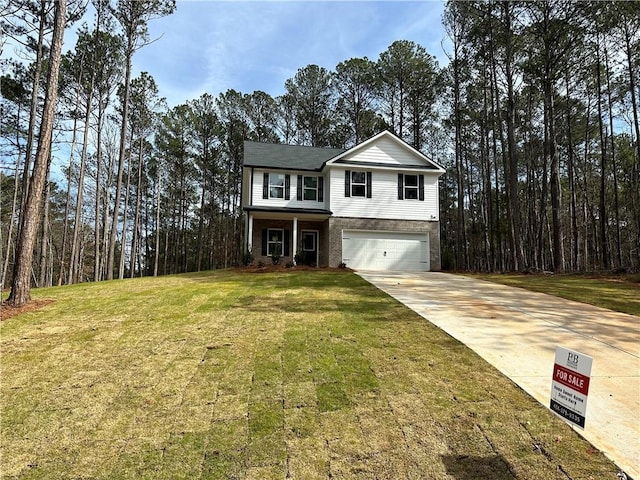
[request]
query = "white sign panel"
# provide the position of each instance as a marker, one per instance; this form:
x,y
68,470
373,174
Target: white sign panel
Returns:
x,y
570,385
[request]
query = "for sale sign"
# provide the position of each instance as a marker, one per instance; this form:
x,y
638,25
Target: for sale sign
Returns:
x,y
570,385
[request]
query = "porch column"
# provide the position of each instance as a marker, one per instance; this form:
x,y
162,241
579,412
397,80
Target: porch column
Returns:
x,y
250,234
295,238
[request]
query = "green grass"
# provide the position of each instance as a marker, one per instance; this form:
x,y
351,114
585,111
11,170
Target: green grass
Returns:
x,y
227,375
621,294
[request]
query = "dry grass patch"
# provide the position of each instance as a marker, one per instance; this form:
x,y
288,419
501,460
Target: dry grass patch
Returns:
x,y
236,375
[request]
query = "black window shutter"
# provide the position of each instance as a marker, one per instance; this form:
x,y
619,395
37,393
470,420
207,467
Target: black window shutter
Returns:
x,y
400,186
347,183
421,187
286,243
287,186
321,189
299,188
265,185
368,184
265,236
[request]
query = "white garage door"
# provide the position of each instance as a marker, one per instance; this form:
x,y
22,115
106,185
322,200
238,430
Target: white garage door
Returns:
x,y
372,250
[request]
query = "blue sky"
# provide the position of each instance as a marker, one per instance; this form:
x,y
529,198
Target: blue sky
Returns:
x,y
212,46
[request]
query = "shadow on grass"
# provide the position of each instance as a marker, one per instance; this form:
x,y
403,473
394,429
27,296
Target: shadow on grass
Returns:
x,y
464,467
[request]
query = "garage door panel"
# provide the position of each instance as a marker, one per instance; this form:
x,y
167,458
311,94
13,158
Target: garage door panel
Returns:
x,y
375,250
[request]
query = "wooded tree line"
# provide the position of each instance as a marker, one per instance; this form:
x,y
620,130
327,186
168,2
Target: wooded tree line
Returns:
x,y
535,118
544,106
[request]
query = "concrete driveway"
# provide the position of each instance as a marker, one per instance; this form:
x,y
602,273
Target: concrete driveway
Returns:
x,y
517,331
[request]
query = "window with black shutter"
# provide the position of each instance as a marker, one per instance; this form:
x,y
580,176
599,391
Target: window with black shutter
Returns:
x,y
347,183
276,182
357,184
265,185
410,187
287,187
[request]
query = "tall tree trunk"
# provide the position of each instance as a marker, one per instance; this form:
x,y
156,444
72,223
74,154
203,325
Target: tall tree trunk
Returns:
x,y
199,246
511,180
67,208
157,246
21,285
489,236
604,248
33,114
106,218
45,240
575,238
75,245
12,218
552,154
121,153
461,239
629,50
125,217
136,221
616,205
98,197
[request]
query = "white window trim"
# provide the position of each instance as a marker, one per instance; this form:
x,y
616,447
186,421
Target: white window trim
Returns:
x,y
412,188
359,184
271,243
305,188
279,187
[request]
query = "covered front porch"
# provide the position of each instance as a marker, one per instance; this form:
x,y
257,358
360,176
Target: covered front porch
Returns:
x,y
299,236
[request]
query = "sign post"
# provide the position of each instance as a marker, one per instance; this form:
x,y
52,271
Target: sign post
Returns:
x,y
570,385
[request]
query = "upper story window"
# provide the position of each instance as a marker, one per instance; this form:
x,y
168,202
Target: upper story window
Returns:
x,y
357,184
310,188
275,185
410,187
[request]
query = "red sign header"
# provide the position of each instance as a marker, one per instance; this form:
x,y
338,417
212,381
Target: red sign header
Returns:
x,y
571,379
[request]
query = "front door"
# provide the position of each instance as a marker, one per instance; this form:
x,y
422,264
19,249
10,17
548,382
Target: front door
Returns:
x,y
310,247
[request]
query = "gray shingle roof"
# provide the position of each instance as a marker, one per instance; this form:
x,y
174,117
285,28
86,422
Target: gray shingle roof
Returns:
x,y
289,157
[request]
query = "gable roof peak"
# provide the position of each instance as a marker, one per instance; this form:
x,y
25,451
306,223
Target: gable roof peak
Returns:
x,y
396,139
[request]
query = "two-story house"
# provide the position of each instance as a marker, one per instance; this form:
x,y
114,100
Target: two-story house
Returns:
x,y
373,206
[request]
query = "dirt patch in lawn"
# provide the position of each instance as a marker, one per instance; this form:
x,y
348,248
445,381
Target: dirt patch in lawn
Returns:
x,y
7,311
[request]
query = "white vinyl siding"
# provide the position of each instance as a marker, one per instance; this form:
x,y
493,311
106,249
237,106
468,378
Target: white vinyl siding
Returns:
x,y
384,203
293,202
375,250
385,151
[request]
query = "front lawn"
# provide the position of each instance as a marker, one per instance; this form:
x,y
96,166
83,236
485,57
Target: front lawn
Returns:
x,y
621,294
229,375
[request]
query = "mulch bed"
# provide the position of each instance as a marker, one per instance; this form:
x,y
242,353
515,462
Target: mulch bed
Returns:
x,y
8,311
283,268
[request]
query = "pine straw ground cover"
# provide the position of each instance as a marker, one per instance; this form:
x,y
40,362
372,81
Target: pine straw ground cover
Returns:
x,y
230,375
